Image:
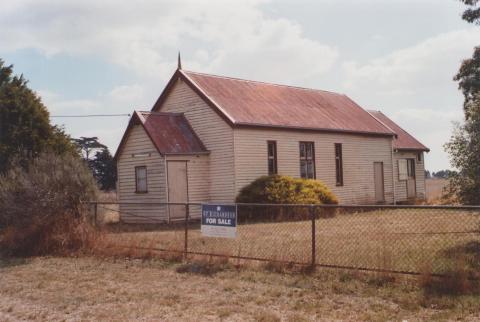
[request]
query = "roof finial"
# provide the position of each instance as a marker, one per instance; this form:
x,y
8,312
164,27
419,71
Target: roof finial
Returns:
x,y
179,66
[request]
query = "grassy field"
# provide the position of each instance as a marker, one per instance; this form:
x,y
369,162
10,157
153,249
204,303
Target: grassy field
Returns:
x,y
401,239
434,188
85,289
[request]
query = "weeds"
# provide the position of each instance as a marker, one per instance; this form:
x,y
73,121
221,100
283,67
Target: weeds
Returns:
x,y
454,282
201,268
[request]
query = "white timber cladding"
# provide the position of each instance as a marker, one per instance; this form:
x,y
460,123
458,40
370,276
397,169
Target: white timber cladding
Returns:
x,y
215,133
198,177
401,185
359,154
139,150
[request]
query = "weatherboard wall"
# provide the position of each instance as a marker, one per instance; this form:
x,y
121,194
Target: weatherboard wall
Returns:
x,y
359,154
401,186
215,133
138,143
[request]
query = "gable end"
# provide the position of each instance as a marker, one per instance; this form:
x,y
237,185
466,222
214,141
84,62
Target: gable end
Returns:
x,y
171,84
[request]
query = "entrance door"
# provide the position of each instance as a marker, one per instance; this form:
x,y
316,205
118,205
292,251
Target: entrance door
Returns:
x,y
411,182
378,182
177,188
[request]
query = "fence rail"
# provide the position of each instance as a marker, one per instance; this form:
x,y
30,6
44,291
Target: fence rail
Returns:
x,y
399,239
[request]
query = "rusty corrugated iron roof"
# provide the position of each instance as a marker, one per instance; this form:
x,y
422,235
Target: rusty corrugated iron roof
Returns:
x,y
171,133
403,141
245,102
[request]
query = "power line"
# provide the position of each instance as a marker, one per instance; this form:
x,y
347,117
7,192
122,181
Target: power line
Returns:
x,y
91,115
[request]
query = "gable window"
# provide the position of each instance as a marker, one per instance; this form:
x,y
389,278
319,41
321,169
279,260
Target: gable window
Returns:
x,y
272,157
339,164
141,179
307,160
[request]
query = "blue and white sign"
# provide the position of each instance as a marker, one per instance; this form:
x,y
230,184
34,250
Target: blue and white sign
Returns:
x,y
219,221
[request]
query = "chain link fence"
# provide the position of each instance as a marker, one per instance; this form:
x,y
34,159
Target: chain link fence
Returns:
x,y
401,239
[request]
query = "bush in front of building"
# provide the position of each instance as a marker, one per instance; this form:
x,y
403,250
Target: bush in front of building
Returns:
x,y
42,207
278,189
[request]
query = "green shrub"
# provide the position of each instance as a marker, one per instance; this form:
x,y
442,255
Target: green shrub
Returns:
x,y
287,190
283,190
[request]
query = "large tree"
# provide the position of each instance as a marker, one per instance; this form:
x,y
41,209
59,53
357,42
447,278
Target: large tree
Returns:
x,y
25,130
468,76
104,169
101,163
472,13
464,145
464,150
87,145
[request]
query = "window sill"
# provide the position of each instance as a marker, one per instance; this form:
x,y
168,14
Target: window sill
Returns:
x,y
141,192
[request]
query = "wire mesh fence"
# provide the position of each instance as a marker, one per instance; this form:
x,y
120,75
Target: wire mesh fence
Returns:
x,y
403,239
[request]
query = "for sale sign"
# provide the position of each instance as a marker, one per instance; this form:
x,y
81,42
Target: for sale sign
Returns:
x,y
219,221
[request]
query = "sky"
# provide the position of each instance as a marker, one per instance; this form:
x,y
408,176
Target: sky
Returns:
x,y
102,57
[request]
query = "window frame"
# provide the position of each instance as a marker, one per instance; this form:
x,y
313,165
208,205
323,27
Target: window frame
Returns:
x,y
402,165
411,169
272,157
306,159
339,164
137,168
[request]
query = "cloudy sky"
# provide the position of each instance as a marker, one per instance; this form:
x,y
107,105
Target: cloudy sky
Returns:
x,y
97,57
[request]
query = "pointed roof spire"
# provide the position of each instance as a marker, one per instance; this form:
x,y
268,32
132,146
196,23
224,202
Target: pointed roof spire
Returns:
x,y
179,66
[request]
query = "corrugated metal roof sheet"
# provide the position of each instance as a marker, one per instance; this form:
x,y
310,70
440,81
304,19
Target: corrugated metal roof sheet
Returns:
x,y
403,141
246,102
171,133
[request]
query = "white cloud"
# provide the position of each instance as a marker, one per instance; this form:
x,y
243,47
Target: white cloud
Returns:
x,y
415,87
412,85
424,70
127,93
144,36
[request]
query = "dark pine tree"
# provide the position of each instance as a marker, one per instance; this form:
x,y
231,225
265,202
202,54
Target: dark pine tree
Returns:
x,y
104,169
25,130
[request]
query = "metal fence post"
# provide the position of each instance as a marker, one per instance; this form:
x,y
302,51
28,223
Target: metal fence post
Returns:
x,y
312,214
95,207
187,211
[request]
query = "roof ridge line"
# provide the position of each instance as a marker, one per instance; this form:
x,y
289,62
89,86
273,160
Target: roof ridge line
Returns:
x,y
402,129
379,121
200,89
266,83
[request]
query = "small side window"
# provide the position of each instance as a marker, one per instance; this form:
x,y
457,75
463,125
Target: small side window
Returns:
x,y
141,179
419,157
339,164
272,157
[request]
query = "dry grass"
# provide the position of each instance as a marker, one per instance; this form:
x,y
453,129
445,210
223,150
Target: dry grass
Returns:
x,y
47,289
109,213
390,239
434,189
